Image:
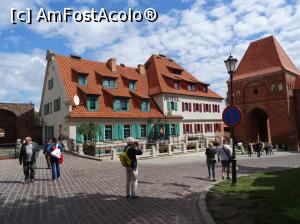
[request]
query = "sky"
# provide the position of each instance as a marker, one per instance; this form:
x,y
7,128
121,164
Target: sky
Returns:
x,y
197,34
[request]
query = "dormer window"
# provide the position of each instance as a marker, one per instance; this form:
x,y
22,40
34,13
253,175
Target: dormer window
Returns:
x,y
176,85
191,87
109,83
82,80
132,86
175,71
146,106
121,104
92,103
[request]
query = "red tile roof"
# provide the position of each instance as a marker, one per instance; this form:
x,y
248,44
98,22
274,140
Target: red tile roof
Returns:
x,y
262,57
158,75
88,90
70,79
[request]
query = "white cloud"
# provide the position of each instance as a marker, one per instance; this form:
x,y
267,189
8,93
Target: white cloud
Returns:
x,y
22,76
132,3
198,38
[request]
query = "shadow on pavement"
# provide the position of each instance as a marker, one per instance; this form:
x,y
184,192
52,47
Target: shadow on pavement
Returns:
x,y
100,208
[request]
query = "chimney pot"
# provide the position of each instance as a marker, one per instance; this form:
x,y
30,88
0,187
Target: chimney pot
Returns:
x,y
141,69
111,64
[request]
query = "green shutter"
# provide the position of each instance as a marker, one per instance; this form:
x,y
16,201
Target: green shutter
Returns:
x,y
121,132
88,103
96,103
149,131
156,131
127,101
133,131
169,106
138,131
148,105
167,130
116,132
178,129
114,104
115,84
101,133
176,106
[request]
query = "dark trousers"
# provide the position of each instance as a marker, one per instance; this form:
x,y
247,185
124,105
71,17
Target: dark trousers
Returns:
x,y
47,157
28,169
249,152
55,168
211,167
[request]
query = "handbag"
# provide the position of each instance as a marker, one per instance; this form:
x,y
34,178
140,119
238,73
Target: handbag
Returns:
x,y
56,153
229,156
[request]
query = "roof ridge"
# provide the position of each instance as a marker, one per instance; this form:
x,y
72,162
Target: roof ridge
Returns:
x,y
279,50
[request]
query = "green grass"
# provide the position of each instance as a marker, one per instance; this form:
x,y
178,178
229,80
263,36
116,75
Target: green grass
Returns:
x,y
259,198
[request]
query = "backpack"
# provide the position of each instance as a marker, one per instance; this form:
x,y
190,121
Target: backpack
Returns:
x,y
124,158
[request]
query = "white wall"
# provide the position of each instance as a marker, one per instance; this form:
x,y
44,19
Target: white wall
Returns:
x,y
162,103
55,118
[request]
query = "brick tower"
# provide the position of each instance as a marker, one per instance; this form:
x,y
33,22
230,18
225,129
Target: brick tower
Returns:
x,y
264,87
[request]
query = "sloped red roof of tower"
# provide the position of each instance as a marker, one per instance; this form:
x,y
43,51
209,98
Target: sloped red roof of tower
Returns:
x,y
262,57
158,72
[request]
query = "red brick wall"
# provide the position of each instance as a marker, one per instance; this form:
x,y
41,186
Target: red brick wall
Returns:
x,y
278,105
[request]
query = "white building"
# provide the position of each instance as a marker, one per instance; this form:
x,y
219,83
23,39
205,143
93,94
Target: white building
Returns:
x,y
156,100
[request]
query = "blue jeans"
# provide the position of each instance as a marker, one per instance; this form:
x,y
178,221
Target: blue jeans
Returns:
x,y
211,167
55,168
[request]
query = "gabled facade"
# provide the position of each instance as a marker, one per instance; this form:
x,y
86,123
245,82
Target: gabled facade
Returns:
x,y
121,100
265,84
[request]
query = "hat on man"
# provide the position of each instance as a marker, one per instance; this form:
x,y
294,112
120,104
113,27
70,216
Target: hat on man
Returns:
x,y
130,140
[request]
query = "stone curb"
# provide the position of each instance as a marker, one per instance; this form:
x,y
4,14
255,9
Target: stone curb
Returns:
x,y
202,204
202,201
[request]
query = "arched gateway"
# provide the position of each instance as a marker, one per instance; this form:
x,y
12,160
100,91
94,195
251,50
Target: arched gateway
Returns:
x,y
258,126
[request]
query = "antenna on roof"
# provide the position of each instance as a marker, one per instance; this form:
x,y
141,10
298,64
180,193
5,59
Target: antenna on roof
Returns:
x,y
75,56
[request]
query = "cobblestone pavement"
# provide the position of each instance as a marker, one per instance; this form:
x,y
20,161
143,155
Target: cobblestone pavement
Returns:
x,y
93,192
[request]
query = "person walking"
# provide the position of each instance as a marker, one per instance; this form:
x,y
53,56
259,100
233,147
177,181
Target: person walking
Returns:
x,y
211,161
224,155
250,146
258,148
27,158
132,149
54,160
47,155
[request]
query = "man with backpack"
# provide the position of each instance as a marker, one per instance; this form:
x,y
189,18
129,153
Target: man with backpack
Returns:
x,y
224,155
128,159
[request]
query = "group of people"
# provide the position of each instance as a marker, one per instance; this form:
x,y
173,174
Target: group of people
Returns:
x,y
258,147
29,154
223,152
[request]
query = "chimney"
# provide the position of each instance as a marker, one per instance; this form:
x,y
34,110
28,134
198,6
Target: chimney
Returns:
x,y
141,69
111,63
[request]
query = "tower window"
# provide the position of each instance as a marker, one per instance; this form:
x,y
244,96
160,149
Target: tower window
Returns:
x,y
280,87
273,88
255,91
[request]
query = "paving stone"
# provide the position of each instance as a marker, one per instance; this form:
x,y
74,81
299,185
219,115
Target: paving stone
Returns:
x,y
92,191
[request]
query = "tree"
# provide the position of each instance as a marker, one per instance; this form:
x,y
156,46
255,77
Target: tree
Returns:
x,y
36,118
89,130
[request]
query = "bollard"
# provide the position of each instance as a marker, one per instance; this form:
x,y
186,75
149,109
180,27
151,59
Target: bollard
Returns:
x,y
80,150
197,147
144,147
184,148
205,142
153,151
114,154
170,152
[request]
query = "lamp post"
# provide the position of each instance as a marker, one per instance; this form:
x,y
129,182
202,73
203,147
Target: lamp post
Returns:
x,y
231,66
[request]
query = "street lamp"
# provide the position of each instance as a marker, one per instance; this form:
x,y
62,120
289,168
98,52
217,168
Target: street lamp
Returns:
x,y
231,66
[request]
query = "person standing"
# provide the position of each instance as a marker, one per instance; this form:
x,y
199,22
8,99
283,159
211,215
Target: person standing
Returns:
x,y
27,157
211,161
250,146
258,148
47,155
132,149
53,160
224,155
